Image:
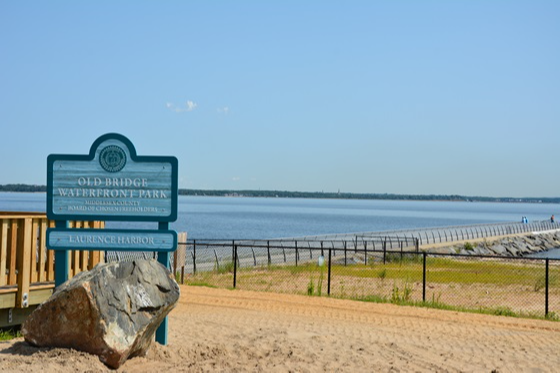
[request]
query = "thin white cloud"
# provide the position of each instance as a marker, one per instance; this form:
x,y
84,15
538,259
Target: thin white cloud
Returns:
x,y
223,110
236,178
189,106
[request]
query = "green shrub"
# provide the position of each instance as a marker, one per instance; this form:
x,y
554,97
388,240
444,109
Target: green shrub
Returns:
x,y
401,296
552,316
310,287
382,274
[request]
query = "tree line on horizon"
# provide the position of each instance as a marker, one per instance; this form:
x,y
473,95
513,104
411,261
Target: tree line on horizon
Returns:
x,y
327,195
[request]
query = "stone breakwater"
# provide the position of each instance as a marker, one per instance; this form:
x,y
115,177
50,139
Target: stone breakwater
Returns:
x,y
517,246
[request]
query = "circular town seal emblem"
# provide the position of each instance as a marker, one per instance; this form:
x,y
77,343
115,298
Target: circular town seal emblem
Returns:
x,y
112,158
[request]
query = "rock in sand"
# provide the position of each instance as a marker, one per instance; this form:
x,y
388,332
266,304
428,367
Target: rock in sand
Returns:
x,y
111,311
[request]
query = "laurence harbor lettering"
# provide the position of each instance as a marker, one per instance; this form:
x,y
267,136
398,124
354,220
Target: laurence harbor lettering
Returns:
x,y
111,240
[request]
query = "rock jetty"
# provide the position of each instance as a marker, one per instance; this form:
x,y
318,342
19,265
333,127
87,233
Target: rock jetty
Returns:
x,y
513,246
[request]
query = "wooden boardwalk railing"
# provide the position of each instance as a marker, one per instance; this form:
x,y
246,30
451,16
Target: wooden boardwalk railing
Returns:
x,y
27,267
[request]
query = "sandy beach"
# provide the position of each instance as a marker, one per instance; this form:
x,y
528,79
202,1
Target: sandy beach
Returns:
x,y
216,330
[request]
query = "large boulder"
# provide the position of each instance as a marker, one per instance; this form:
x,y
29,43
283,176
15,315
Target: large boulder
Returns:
x,y
112,311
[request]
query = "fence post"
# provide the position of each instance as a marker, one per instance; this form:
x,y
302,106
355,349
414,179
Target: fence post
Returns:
x,y
234,266
217,261
384,251
297,254
329,277
546,290
345,263
417,246
232,249
424,276
268,252
365,252
194,257
61,258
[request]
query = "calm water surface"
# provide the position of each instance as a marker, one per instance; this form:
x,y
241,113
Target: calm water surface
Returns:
x,y
261,218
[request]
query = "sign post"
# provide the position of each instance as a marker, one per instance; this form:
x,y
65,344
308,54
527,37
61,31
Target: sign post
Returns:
x,y
111,183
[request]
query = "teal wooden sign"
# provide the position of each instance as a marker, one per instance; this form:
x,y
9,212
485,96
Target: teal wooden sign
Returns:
x,y
111,183
111,239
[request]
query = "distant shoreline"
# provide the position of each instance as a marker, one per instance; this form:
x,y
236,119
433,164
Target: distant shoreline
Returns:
x,y
24,188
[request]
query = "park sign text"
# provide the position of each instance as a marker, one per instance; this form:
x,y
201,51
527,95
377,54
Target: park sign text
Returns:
x,y
112,183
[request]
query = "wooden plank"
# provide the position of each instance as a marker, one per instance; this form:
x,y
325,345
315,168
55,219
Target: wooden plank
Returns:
x,y
24,263
3,251
42,250
12,252
32,287
34,249
38,296
8,300
84,254
18,316
181,249
94,255
50,257
76,256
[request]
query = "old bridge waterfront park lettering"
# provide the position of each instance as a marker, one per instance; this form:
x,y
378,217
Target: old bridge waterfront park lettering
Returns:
x,y
111,183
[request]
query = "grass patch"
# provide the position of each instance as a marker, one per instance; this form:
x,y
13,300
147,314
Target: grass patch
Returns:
x,y
7,334
540,283
486,286
435,304
203,284
402,295
227,267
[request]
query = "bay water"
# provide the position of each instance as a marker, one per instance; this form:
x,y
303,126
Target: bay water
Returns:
x,y
268,218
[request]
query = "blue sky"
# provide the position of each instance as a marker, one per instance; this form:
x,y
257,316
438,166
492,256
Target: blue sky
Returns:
x,y
415,97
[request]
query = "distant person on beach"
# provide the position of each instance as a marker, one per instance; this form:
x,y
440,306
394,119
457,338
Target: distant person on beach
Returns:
x,y
552,219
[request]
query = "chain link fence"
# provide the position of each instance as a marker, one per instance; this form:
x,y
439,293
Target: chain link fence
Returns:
x,y
370,270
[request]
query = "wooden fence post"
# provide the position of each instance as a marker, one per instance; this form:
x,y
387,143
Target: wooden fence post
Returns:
x,y
3,250
24,263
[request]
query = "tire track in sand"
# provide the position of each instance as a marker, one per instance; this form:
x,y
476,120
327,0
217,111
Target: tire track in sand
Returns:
x,y
333,334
